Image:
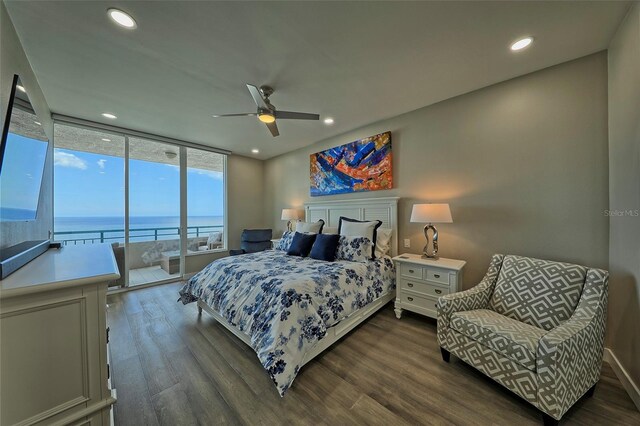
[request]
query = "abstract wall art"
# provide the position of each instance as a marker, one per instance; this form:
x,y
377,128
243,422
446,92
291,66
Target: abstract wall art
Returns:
x,y
363,165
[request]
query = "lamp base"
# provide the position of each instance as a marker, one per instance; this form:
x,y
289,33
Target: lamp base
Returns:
x,y
426,254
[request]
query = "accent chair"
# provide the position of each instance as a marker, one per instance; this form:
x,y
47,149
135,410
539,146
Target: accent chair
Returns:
x,y
253,240
534,326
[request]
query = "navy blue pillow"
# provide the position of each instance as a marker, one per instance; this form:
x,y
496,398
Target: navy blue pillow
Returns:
x,y
301,244
325,247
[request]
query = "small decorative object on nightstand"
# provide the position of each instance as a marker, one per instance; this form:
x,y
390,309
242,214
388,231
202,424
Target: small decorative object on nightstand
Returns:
x,y
292,215
420,282
429,214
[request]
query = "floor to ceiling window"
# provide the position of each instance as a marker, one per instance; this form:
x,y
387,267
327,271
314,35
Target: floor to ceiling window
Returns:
x,y
128,191
205,200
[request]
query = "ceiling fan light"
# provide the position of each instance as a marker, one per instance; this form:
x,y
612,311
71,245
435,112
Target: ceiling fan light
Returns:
x,y
266,117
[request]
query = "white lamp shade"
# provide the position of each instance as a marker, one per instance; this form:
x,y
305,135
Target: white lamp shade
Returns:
x,y
292,214
431,213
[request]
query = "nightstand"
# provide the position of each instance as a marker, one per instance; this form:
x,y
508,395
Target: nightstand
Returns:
x,y
420,282
274,242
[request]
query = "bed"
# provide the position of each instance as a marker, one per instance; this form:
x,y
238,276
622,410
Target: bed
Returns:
x,y
289,309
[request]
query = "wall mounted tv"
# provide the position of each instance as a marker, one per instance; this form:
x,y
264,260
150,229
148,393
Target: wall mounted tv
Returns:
x,y
23,151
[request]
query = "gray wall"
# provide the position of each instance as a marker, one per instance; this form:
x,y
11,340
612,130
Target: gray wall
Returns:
x,y
624,194
522,163
14,61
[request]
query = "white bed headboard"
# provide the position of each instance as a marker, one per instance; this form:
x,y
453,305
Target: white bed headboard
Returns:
x,y
382,209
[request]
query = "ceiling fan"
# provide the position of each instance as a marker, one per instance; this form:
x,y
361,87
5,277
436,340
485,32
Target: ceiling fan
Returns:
x,y
267,113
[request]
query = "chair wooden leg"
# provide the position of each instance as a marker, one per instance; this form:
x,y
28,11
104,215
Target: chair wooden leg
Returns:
x,y
547,420
446,355
591,391
199,310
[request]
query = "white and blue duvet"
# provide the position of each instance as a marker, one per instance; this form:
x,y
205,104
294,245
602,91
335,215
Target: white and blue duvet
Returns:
x,y
285,304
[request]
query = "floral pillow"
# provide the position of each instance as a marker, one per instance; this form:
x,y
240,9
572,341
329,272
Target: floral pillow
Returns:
x,y
285,241
354,249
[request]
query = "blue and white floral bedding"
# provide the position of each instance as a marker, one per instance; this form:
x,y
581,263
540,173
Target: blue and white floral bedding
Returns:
x,y
285,304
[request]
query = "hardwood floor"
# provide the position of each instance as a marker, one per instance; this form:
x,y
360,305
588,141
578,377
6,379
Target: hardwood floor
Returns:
x,y
171,367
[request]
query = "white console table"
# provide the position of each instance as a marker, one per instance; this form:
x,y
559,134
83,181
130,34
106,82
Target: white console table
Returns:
x,y
53,338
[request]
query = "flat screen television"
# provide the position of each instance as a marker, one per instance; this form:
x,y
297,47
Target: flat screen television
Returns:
x,y
23,152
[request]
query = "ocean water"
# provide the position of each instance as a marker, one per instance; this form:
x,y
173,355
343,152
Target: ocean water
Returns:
x,y
142,228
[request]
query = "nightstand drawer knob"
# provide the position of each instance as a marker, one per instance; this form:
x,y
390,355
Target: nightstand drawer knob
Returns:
x,y
410,299
436,275
410,285
411,270
438,291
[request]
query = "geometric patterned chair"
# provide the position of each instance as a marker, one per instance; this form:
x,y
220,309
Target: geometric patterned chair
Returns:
x,y
534,326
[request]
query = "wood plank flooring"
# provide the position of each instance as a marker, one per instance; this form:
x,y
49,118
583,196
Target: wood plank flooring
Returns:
x,y
172,367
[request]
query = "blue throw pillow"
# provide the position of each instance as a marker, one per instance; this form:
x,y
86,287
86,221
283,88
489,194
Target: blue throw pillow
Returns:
x,y
325,247
301,244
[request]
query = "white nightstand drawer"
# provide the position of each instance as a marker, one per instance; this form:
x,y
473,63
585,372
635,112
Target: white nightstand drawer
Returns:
x,y
422,281
424,288
421,302
437,275
411,271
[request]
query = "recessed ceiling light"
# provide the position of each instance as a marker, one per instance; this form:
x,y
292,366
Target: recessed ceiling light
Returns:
x,y
122,18
328,120
106,140
522,43
38,123
21,88
109,115
255,151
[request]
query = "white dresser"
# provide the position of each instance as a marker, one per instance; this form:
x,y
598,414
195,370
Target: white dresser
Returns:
x,y
53,338
421,281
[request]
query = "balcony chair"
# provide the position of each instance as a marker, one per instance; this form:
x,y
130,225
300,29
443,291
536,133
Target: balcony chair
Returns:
x,y
214,241
253,240
534,326
118,252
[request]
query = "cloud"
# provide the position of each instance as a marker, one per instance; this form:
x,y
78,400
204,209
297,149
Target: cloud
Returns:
x,y
101,163
65,159
209,173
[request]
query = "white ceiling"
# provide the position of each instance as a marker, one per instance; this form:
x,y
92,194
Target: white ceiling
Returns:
x,y
358,62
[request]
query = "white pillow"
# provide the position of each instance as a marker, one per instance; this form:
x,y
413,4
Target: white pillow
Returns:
x,y
355,228
383,242
310,227
330,230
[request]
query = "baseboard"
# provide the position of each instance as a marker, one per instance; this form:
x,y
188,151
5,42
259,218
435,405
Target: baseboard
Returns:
x,y
627,383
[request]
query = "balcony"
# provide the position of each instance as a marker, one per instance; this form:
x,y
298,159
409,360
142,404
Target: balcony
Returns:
x,y
154,253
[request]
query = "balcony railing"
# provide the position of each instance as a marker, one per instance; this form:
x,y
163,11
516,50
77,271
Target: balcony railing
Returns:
x,y
135,234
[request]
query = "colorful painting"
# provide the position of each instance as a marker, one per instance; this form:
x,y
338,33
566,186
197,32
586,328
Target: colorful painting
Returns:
x,y
363,165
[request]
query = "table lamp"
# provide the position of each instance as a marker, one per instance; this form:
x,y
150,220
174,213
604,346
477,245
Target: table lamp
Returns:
x,y
429,214
291,215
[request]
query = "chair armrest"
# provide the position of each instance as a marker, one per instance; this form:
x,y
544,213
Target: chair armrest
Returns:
x,y
569,357
475,298
236,252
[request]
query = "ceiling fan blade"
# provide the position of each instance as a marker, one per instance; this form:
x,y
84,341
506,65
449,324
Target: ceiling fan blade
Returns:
x,y
244,114
290,115
273,128
257,96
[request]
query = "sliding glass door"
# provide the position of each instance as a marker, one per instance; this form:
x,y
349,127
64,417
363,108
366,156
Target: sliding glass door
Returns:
x,y
157,203
154,211
89,185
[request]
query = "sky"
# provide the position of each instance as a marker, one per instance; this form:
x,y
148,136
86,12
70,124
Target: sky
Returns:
x,y
92,185
22,169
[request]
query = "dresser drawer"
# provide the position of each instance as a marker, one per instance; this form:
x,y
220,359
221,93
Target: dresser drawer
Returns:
x,y
423,303
436,275
411,271
423,288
